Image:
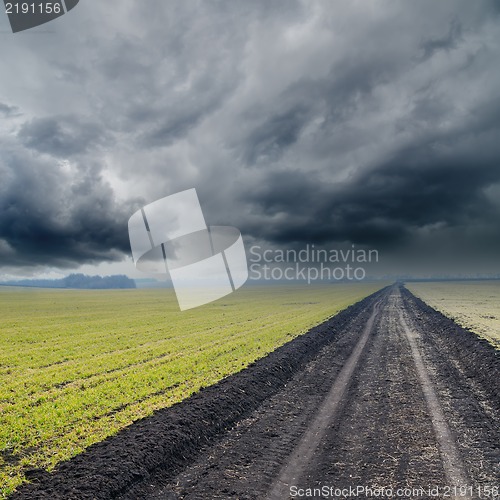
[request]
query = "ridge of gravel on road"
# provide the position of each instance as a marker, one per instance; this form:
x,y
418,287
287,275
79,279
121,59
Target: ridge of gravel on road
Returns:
x,y
303,453
172,437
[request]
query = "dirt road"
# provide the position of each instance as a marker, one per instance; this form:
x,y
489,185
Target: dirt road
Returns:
x,y
389,399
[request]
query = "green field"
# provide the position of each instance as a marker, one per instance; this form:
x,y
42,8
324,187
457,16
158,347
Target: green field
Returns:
x,y
77,366
473,304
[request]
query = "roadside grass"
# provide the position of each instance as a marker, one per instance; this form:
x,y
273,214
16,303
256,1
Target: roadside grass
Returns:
x,y
77,366
472,304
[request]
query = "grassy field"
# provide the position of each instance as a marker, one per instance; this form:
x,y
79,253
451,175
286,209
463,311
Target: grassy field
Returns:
x,y
473,304
77,366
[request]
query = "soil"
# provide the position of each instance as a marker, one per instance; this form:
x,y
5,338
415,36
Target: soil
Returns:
x,y
387,394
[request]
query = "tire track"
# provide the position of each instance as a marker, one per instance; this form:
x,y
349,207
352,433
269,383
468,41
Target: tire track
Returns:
x,y
452,461
383,438
301,456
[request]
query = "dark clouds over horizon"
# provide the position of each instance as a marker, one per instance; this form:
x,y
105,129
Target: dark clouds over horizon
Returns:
x,y
300,122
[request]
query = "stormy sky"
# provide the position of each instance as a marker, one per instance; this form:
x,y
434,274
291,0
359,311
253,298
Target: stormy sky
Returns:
x,y
374,123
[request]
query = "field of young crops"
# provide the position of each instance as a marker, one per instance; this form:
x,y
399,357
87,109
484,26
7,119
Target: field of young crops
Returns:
x,y
472,304
77,366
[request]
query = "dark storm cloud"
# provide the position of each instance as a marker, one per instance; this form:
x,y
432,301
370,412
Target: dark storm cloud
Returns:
x,y
334,99
441,184
268,140
322,122
52,216
182,70
447,42
8,111
165,131
61,136
395,147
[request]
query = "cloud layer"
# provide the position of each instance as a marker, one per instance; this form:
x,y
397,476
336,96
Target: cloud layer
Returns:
x,y
319,122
